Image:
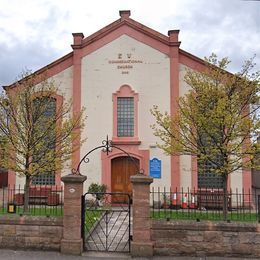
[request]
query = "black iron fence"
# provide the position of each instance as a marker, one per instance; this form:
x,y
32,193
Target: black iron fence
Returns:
x,y
43,200
204,204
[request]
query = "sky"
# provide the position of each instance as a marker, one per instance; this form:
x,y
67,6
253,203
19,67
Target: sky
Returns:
x,y
34,33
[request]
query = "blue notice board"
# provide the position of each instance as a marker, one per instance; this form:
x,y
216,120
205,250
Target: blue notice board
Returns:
x,y
155,168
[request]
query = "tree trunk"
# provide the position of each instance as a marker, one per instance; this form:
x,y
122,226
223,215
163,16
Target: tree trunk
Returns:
x,y
225,197
26,195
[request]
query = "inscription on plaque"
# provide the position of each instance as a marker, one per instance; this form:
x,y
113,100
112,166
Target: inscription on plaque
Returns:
x,y
155,168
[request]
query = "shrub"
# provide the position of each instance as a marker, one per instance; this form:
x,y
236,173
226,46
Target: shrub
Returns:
x,y
97,190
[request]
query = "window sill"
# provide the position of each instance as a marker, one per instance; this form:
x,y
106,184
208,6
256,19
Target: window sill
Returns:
x,y
125,141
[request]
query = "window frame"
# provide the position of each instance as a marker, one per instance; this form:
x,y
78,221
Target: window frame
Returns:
x,y
125,117
59,103
207,179
47,179
125,91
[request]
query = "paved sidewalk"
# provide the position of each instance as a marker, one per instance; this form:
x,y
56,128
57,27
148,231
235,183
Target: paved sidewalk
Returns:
x,y
47,255
111,232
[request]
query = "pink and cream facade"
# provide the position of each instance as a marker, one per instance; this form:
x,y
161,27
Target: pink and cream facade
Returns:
x,y
118,74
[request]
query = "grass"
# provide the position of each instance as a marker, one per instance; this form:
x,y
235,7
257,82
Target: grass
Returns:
x,y
35,210
91,218
204,215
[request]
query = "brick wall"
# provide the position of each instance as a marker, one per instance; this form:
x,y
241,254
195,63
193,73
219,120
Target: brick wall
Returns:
x,y
27,232
192,238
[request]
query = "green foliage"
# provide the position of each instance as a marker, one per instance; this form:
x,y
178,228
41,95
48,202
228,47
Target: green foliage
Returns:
x,y
96,189
215,120
38,140
201,215
35,211
38,131
3,151
91,218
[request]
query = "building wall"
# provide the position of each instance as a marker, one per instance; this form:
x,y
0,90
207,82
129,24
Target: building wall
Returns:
x,y
187,180
148,77
93,73
63,80
236,181
185,160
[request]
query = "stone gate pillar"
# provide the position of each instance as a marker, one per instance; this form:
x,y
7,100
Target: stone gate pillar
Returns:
x,y
141,244
71,242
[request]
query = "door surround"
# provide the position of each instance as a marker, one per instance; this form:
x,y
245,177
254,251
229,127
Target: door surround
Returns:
x,y
132,150
121,169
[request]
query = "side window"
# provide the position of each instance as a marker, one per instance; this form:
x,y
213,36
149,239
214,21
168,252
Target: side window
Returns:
x,y
207,178
45,177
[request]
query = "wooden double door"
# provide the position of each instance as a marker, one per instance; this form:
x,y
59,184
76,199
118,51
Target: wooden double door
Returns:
x,y
122,168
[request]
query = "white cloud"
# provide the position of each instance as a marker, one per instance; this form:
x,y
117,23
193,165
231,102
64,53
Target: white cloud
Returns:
x,y
229,28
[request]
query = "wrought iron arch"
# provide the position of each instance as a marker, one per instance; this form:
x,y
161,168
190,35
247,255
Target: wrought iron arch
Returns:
x,y
106,147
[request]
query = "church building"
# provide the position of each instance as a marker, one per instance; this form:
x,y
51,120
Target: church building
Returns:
x,y
118,74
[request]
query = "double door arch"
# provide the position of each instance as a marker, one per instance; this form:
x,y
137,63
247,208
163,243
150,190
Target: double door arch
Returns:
x,y
117,167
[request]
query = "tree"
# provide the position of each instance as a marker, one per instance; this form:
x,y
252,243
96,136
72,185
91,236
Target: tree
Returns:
x,y
3,151
216,121
38,128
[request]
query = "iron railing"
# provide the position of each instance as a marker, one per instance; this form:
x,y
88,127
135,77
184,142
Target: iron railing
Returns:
x,y
204,204
43,200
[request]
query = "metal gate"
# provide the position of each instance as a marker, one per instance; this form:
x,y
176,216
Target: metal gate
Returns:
x,y
106,222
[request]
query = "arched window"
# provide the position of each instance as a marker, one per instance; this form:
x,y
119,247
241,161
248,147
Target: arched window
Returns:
x,y
125,123
48,111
